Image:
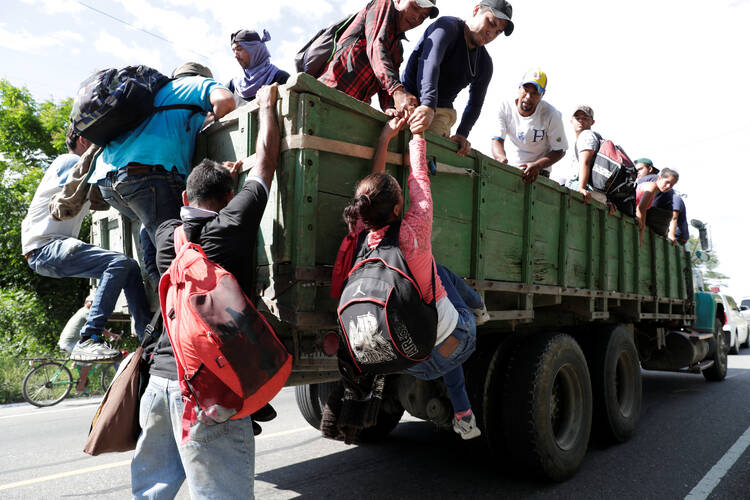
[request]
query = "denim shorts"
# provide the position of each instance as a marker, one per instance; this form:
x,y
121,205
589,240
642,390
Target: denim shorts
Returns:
x,y
438,365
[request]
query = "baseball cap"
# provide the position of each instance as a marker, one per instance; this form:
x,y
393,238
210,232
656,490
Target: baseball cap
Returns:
x,y
429,4
537,77
586,109
192,69
645,161
502,10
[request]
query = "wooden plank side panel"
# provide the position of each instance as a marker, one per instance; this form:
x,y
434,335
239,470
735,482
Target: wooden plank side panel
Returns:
x,y
502,260
546,235
577,245
645,270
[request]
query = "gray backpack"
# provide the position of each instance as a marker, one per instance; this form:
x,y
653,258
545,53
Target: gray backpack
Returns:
x,y
319,51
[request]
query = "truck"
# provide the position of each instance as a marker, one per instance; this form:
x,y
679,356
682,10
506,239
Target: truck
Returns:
x,y
578,303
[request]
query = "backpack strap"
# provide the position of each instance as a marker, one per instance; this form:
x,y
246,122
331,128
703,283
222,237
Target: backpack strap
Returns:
x,y
190,107
599,145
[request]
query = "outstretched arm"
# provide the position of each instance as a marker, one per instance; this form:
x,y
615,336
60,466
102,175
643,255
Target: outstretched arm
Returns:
x,y
267,147
390,130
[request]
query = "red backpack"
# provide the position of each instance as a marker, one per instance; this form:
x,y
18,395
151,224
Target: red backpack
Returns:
x,y
229,361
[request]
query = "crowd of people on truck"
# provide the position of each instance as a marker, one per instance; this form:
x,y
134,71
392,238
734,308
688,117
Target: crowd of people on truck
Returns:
x,y
148,176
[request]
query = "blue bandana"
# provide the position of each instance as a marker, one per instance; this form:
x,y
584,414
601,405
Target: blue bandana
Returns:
x,y
260,72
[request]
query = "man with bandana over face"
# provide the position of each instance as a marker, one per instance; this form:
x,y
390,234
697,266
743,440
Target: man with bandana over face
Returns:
x,y
252,55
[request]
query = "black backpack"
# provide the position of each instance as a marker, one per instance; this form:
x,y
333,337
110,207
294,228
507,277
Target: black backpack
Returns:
x,y
111,102
385,326
613,174
319,51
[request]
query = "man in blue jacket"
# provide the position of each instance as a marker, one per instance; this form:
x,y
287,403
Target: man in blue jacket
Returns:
x,y
449,57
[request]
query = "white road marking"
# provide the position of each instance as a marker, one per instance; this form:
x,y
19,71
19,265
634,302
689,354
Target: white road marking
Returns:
x,y
718,471
60,475
123,463
42,411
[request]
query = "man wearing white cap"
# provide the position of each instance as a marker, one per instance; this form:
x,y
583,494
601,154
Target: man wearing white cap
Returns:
x,y
534,129
586,147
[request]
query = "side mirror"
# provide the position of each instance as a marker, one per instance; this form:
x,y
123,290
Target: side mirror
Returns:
x,y
702,234
744,308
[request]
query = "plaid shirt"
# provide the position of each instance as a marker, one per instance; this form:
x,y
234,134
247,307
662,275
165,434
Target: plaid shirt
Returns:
x,y
369,65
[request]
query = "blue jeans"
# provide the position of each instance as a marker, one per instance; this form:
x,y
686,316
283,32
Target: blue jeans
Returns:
x,y
151,198
149,258
72,258
218,460
450,368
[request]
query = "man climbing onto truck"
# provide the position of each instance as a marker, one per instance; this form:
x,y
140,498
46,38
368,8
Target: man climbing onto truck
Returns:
x,y
218,460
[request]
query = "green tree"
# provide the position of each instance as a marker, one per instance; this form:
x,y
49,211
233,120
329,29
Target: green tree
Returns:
x,y
31,136
707,263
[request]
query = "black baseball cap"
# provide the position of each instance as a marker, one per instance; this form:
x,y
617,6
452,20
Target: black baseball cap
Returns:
x,y
502,10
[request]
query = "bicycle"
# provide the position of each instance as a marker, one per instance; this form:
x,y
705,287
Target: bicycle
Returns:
x,y
50,381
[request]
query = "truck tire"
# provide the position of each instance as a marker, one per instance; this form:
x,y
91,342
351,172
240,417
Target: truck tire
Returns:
x,y
719,349
311,398
387,421
616,384
735,349
548,401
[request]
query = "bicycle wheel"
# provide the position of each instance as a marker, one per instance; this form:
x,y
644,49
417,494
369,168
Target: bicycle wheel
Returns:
x,y
47,384
107,374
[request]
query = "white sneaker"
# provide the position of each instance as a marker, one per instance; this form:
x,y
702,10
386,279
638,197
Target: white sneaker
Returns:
x,y
481,315
89,350
467,427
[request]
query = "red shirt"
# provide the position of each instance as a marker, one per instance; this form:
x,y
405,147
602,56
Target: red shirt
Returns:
x,y
369,65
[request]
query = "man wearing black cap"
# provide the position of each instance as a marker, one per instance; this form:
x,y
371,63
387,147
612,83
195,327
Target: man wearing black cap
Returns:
x,y
142,172
251,53
370,64
450,56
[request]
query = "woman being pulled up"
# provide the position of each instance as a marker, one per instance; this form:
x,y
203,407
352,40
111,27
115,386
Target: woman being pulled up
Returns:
x,y
377,204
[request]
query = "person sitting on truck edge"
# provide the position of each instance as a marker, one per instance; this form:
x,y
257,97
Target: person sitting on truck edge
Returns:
x,y
647,189
52,249
251,53
534,129
450,56
378,202
586,146
69,338
218,460
644,166
667,215
370,65
142,172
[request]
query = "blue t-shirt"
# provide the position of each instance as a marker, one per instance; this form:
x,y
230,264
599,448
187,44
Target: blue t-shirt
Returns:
x,y
441,66
166,138
670,201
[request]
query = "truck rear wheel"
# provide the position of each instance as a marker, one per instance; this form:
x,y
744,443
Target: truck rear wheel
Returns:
x,y
720,348
548,405
616,384
493,404
311,398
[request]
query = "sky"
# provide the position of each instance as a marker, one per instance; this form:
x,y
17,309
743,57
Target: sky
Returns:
x,y
665,78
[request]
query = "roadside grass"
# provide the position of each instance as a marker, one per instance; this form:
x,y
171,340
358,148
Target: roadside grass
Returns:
x,y
12,372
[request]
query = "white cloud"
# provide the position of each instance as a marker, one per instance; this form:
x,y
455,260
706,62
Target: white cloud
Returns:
x,y
56,6
23,41
130,53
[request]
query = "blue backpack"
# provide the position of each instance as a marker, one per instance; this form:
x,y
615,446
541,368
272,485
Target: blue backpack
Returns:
x,y
113,101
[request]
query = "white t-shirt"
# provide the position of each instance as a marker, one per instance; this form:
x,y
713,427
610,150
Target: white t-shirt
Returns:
x,y
39,228
587,140
528,138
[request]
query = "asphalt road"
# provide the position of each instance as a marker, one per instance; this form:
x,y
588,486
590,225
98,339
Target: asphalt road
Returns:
x,y
692,437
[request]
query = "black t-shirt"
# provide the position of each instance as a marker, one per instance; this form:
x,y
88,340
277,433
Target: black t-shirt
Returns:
x,y
228,239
